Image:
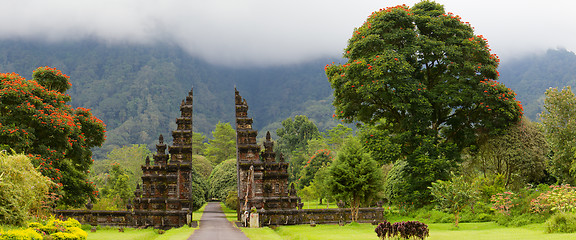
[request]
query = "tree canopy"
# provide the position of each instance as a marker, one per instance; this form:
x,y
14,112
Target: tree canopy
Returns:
x,y
424,71
560,130
431,78
222,180
519,155
294,134
36,120
223,146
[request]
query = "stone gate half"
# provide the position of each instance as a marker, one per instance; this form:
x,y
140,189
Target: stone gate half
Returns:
x,y
262,177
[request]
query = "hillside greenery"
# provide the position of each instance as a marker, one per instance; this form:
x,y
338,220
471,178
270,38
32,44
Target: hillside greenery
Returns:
x,y
531,76
136,89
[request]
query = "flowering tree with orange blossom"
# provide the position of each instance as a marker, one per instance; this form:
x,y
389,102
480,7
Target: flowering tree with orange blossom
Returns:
x,y
36,120
431,78
322,158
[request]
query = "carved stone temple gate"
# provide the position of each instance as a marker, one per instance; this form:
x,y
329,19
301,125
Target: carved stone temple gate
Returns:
x,y
164,200
262,177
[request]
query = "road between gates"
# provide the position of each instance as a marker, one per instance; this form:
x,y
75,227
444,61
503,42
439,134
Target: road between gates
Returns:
x,y
215,226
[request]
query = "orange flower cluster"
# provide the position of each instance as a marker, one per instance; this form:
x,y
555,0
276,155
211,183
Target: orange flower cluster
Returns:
x,y
494,91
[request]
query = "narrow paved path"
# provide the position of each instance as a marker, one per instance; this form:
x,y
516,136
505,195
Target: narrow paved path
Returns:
x,y
215,226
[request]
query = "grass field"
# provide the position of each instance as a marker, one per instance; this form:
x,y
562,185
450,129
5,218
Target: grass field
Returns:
x,y
440,231
315,205
472,231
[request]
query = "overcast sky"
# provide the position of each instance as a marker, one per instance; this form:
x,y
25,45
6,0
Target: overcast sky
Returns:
x,y
264,32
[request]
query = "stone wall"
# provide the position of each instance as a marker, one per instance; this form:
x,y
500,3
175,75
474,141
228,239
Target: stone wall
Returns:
x,y
99,217
318,216
146,218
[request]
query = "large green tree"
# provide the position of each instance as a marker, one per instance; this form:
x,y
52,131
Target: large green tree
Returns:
x,y
322,158
519,155
560,129
223,146
294,134
198,143
293,139
36,120
431,78
355,177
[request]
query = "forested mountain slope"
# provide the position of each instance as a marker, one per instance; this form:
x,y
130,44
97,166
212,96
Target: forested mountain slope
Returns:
x,y
531,76
137,90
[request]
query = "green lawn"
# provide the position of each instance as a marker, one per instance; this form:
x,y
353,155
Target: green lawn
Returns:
x,y
146,234
230,213
439,231
473,231
316,205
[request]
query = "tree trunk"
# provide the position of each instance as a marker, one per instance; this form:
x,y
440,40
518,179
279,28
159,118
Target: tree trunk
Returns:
x,y
355,207
457,218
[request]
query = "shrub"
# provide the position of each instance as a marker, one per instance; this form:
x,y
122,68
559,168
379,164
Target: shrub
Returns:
x,y
57,229
71,222
519,219
22,189
430,215
406,230
561,223
232,200
20,234
503,202
558,199
63,236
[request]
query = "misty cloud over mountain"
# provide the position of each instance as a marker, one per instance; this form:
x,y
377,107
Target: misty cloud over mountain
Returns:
x,y
270,32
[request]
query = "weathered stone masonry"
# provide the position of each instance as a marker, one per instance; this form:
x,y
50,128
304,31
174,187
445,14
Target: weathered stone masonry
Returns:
x,y
262,178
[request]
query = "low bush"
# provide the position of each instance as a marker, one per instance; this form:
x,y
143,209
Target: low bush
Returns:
x,y
558,199
405,230
20,234
433,216
232,200
54,229
561,223
519,220
480,213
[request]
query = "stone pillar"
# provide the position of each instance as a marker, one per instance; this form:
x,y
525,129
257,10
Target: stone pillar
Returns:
x,y
254,220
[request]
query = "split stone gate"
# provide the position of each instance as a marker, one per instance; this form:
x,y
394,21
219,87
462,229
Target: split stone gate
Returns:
x,y
164,200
